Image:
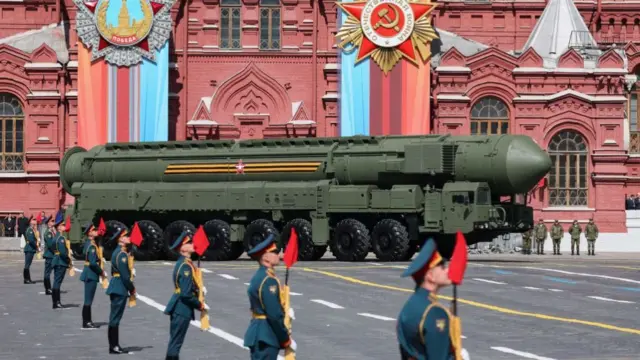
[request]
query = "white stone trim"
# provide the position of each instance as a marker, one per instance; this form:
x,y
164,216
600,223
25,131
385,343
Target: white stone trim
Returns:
x,y
201,123
44,65
23,175
598,98
604,71
453,97
453,69
301,122
43,138
330,96
568,208
616,177
71,93
72,64
36,94
332,66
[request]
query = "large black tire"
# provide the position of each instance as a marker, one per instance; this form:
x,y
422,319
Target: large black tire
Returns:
x,y
221,248
318,252
413,248
351,241
109,244
306,249
152,244
257,231
390,240
172,232
76,250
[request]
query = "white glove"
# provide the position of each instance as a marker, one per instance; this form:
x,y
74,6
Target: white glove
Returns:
x,y
292,314
204,290
206,307
465,354
104,261
134,272
293,346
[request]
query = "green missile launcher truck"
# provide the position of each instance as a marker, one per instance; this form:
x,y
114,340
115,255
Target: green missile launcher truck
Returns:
x,y
358,194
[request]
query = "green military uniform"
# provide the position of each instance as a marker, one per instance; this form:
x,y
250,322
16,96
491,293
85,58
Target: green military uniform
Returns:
x,y
61,262
575,232
184,300
91,273
49,246
30,249
267,333
540,232
423,326
526,242
591,233
120,288
556,236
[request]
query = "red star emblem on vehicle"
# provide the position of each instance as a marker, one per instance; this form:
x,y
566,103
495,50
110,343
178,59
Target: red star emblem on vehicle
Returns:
x,y
240,167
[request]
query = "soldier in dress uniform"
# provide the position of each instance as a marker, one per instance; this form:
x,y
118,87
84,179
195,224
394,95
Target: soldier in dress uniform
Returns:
x,y
526,242
423,323
591,233
30,249
575,232
49,246
556,236
61,260
267,333
540,233
91,274
120,288
184,300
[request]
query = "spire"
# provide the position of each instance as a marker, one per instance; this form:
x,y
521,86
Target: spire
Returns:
x,y
560,26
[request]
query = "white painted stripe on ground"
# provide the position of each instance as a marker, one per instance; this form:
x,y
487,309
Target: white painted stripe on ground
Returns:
x,y
611,300
531,288
399,266
226,276
328,304
520,353
206,271
490,281
166,263
374,316
294,293
374,263
462,336
556,290
584,274
246,284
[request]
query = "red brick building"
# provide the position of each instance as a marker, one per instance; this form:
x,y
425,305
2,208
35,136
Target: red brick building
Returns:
x,y
268,68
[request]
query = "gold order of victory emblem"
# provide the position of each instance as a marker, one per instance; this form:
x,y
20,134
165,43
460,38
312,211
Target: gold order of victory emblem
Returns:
x,y
124,31
387,31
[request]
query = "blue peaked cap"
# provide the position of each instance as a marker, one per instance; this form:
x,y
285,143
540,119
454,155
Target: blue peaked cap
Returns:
x,y
423,259
87,227
59,218
262,246
46,220
118,233
181,240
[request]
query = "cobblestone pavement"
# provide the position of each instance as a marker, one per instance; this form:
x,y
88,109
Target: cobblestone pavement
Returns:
x,y
559,308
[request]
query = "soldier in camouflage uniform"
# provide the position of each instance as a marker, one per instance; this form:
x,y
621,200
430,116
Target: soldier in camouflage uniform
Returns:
x,y
526,242
556,235
591,233
540,232
575,232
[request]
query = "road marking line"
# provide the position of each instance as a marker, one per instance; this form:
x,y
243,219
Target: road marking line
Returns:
x,y
213,330
374,263
520,353
531,288
556,290
166,263
294,293
41,293
612,300
583,274
503,272
374,316
226,276
246,284
481,305
206,271
490,281
629,288
560,280
326,303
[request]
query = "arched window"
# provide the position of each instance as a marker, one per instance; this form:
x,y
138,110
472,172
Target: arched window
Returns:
x,y
230,24
269,24
489,116
568,175
11,134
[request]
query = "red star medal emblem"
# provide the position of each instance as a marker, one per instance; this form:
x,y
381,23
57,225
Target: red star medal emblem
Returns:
x,y
389,25
240,167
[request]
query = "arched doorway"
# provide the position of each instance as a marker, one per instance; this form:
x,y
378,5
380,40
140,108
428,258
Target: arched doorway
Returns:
x,y
568,176
489,116
11,134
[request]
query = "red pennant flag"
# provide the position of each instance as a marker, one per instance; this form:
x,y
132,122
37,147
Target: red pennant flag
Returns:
x,y
39,218
200,241
136,235
291,252
458,263
102,228
67,224
542,182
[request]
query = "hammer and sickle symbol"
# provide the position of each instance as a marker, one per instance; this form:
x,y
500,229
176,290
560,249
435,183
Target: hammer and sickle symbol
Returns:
x,y
389,24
